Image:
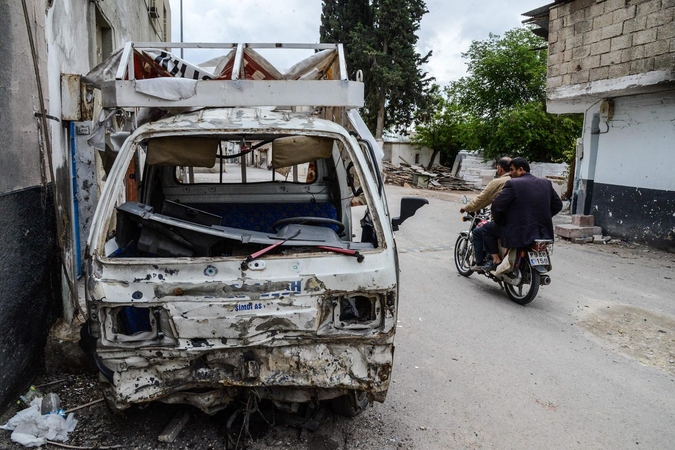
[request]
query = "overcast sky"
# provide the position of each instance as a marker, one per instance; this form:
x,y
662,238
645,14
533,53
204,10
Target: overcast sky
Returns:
x,y
448,29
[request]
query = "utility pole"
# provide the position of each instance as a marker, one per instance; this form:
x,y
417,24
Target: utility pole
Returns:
x,y
181,28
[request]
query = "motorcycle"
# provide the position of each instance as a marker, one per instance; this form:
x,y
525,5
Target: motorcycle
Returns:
x,y
522,271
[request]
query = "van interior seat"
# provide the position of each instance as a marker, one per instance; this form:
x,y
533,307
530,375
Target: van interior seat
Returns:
x,y
262,216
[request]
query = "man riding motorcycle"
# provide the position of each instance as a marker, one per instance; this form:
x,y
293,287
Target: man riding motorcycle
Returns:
x,y
485,237
524,208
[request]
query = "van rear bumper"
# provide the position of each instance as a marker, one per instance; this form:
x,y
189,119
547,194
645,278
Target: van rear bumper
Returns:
x,y
209,380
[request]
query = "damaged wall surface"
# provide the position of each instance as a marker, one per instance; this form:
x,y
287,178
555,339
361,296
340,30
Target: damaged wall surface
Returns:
x,y
625,176
613,61
29,284
69,36
29,281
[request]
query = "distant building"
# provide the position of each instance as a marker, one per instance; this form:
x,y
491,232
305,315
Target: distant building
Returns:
x,y
614,61
399,149
41,246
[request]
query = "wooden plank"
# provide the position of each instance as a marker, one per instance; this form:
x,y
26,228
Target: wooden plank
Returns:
x,y
171,431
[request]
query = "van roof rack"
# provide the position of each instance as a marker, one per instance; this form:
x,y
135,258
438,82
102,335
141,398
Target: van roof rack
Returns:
x,y
147,75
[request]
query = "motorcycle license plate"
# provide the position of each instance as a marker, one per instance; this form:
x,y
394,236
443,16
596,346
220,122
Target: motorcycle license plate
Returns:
x,y
538,258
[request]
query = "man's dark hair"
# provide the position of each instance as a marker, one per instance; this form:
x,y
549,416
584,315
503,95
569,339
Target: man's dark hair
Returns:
x,y
504,163
520,162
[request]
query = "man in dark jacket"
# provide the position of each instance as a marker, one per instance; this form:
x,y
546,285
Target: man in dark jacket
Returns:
x,y
524,208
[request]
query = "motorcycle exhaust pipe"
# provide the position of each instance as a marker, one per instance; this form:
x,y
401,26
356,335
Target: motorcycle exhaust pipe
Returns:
x,y
545,280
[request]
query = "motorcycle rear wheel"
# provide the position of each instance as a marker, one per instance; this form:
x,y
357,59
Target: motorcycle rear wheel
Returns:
x,y
528,288
463,251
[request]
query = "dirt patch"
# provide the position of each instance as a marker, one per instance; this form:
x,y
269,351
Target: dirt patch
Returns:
x,y
637,333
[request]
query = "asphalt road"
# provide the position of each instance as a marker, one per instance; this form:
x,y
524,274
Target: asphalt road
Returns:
x,y
590,364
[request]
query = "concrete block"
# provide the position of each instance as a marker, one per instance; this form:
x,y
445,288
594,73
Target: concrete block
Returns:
x,y
570,231
602,21
583,27
600,73
656,48
613,5
634,25
596,10
619,70
583,240
610,58
612,31
600,47
582,220
593,62
659,18
664,62
642,66
583,76
621,42
646,8
665,32
623,14
644,36
593,36
581,52
633,53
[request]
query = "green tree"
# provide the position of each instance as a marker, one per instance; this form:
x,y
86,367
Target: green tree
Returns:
x,y
380,38
442,131
504,94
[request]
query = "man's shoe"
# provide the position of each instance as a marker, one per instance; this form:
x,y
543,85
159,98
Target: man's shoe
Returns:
x,y
489,266
477,268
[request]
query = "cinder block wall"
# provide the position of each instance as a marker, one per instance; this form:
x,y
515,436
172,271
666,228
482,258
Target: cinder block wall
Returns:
x,y
592,40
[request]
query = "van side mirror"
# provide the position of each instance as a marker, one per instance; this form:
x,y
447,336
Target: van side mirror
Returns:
x,y
409,206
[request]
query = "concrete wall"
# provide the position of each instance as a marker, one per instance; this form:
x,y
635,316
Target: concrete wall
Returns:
x,y
392,151
600,46
625,174
29,281
597,40
67,37
75,46
614,61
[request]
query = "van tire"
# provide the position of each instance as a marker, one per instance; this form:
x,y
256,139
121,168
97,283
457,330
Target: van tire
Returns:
x,y
350,405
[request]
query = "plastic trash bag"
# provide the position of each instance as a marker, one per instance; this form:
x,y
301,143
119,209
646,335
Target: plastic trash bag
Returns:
x,y
508,263
30,428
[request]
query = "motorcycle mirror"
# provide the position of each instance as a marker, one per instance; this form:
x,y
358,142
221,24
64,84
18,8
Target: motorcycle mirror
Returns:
x,y
464,199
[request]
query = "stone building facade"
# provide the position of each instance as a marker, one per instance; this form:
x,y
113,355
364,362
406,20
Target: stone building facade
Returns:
x,y
614,61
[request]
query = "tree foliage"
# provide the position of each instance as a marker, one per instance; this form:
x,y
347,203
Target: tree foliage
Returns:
x,y
442,131
380,38
504,97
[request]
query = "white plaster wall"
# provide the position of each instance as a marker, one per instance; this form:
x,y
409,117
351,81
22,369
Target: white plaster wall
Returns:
x,y
20,152
393,150
637,147
71,47
71,37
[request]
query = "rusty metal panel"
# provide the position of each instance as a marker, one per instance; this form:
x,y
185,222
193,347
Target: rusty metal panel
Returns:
x,y
71,97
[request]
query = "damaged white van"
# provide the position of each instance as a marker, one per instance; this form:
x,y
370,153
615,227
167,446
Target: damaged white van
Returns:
x,y
227,256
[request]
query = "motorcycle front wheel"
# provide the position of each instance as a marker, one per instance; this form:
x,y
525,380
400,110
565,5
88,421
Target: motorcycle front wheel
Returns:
x,y
463,250
527,290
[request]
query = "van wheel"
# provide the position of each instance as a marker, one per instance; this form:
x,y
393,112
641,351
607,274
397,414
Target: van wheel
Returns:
x,y
350,405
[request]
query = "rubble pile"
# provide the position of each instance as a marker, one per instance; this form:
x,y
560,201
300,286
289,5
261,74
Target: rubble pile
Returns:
x,y
439,178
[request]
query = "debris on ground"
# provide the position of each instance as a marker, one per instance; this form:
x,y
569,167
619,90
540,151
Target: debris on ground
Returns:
x,y
438,178
31,428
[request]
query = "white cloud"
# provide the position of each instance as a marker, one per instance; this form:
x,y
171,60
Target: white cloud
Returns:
x,y
448,29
